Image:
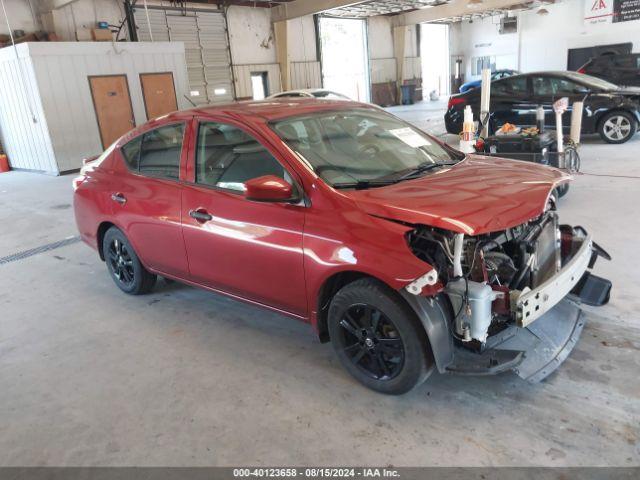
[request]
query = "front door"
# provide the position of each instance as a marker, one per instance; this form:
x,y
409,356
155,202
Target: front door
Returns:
x,y
159,94
547,90
245,248
112,104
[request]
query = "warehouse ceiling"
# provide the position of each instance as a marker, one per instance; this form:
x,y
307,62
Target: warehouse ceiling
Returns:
x,y
382,7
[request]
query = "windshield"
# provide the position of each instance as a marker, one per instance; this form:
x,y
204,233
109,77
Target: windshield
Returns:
x,y
355,146
592,81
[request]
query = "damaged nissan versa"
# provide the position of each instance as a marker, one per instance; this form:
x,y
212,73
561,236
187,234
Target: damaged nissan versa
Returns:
x,y
407,255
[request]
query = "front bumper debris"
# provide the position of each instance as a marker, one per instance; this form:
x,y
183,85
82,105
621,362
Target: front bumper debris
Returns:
x,y
547,342
548,322
533,304
533,352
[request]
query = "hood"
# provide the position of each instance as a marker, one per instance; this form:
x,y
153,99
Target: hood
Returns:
x,y
478,195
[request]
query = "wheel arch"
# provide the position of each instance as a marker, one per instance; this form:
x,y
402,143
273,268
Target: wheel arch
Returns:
x,y
620,108
102,230
434,313
327,290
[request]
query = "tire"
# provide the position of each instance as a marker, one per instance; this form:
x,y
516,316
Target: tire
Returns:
x,y
124,265
378,338
617,127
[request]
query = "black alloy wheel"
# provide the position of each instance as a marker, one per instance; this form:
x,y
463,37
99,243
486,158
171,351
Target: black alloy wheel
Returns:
x,y
378,338
123,264
372,342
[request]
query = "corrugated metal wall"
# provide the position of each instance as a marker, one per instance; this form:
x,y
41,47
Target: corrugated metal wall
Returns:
x,y
384,69
242,76
305,75
27,143
60,71
206,48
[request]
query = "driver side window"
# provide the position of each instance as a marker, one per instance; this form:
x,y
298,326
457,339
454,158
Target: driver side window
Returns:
x,y
227,157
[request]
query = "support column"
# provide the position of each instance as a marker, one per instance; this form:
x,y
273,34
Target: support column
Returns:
x,y
399,48
281,31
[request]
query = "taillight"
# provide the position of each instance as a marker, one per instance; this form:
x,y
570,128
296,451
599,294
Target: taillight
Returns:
x,y
453,101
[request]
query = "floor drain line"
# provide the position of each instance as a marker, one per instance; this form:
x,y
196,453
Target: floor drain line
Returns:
x,y
41,249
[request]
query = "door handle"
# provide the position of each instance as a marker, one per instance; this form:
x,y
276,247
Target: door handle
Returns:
x,y
200,215
119,198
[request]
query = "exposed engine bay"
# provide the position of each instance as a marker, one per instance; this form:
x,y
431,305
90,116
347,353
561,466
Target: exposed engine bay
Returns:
x,y
509,278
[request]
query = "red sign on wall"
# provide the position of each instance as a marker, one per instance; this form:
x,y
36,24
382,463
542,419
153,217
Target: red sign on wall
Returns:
x,y
611,11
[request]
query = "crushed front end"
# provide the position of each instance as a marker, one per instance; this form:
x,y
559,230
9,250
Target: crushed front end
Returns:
x,y
514,296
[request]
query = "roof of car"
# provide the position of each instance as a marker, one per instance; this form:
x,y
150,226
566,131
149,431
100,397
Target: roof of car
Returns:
x,y
303,90
269,109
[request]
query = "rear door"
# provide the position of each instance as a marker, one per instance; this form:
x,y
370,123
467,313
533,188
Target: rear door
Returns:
x,y
146,202
245,248
510,102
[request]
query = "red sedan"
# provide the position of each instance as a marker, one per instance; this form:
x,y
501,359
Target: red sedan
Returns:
x,y
406,254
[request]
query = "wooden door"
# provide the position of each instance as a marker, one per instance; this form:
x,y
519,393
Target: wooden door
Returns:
x,y
159,94
112,104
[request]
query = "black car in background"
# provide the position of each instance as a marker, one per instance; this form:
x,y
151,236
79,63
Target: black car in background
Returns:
x,y
623,70
609,110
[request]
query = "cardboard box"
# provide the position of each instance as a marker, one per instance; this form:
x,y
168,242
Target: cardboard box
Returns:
x,y
101,34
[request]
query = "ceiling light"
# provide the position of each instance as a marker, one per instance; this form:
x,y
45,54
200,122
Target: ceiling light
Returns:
x,y
543,11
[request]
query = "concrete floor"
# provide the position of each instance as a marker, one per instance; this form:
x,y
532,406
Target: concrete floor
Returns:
x,y
90,376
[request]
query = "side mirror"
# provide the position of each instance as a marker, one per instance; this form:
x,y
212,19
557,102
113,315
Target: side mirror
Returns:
x,y
268,188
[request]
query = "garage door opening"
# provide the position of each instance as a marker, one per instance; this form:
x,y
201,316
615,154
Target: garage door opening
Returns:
x,y
434,47
345,61
259,85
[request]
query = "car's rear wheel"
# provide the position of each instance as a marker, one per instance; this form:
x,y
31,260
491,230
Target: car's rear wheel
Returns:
x,y
377,338
617,127
123,264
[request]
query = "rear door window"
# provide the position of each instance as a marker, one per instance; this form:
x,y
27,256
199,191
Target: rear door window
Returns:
x,y
131,153
160,152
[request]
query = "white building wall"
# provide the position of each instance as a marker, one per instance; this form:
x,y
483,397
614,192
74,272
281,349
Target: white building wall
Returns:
x,y
253,50
81,14
382,63
23,126
60,90
305,67
20,16
542,43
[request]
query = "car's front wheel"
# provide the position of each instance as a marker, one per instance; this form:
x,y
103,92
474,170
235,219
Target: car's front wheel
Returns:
x,y
617,127
123,264
377,338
